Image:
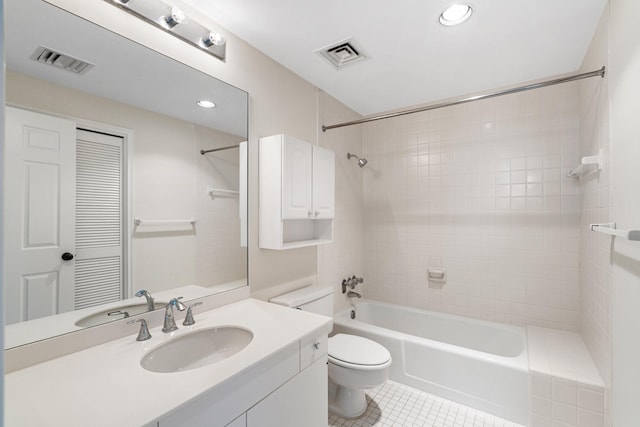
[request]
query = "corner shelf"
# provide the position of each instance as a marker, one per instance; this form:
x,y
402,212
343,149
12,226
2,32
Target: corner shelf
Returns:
x,y
586,166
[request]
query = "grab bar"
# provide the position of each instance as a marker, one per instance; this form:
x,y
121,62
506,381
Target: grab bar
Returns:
x,y
610,228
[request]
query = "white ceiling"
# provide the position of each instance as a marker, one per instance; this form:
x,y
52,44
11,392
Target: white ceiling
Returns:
x,y
412,59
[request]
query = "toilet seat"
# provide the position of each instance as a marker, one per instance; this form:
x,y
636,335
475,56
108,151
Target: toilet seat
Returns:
x,y
354,352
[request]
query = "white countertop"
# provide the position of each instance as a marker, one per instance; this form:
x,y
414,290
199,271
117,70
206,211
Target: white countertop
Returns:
x,y
106,386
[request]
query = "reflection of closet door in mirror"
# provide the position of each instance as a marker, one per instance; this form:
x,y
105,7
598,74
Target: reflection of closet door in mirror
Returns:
x,y
100,264
39,221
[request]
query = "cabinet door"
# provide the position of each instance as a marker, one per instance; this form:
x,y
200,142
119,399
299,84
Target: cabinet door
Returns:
x,y
296,179
302,401
324,183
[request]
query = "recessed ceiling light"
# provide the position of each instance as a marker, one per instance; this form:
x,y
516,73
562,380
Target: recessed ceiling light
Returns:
x,y
455,14
206,104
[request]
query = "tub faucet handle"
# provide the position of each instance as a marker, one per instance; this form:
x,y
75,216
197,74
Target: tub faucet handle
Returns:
x,y
188,319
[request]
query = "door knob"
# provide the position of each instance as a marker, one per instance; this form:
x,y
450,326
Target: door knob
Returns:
x,y
67,256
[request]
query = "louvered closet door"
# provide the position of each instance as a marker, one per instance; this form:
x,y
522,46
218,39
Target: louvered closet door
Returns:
x,y
99,219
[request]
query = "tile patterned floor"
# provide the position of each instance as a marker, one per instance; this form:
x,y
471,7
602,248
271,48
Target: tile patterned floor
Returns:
x,y
396,405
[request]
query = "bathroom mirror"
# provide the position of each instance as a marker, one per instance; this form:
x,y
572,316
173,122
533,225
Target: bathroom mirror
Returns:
x,y
133,204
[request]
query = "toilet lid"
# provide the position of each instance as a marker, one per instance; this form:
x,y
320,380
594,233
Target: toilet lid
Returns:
x,y
357,350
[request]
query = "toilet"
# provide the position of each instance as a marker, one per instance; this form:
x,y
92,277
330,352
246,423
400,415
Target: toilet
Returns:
x,y
355,363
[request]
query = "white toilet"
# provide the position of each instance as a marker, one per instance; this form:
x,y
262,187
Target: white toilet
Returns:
x,y
355,363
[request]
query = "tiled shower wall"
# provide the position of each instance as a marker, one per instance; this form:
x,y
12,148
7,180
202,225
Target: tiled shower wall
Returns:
x,y
480,190
595,249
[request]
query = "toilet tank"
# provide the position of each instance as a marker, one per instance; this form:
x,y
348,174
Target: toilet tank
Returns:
x,y
314,299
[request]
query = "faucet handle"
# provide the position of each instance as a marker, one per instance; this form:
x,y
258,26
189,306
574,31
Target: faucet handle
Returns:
x,y
144,333
188,319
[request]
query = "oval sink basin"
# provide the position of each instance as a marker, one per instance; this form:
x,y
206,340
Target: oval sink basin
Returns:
x,y
197,349
103,315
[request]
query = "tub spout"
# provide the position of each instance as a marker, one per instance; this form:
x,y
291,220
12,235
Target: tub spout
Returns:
x,y
352,294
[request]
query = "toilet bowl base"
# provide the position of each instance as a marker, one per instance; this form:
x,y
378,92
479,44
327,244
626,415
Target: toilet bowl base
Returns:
x,y
347,402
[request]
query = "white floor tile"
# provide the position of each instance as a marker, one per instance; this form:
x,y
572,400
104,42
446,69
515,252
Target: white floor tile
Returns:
x,y
396,405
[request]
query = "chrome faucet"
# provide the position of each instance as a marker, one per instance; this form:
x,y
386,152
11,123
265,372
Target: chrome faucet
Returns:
x,y
188,319
169,317
149,298
351,282
143,334
352,294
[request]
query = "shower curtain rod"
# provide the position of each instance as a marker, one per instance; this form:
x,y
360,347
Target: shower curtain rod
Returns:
x,y
596,73
229,147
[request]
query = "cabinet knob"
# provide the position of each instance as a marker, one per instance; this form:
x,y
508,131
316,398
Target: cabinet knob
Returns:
x,y
309,214
317,213
316,345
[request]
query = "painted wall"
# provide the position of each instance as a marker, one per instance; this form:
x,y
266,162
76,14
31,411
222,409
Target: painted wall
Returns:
x,y
479,190
624,54
345,256
280,102
596,204
210,255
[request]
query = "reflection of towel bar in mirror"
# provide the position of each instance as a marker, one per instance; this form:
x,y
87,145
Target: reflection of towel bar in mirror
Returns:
x,y
164,222
610,228
213,192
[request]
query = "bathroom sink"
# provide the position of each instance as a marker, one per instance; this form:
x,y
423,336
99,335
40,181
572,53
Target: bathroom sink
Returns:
x,y
103,316
197,349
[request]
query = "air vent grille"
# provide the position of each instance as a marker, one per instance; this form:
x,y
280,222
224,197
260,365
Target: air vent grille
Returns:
x,y
63,61
342,53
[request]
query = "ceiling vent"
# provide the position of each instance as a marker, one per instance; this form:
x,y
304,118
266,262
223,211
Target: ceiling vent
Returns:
x,y
63,61
342,53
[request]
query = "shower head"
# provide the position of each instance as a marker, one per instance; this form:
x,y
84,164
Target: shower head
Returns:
x,y
361,161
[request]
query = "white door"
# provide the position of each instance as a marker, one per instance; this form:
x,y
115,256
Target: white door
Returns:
x,y
39,222
324,183
99,272
296,179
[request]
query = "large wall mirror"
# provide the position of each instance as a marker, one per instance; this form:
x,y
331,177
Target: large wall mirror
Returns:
x,y
106,193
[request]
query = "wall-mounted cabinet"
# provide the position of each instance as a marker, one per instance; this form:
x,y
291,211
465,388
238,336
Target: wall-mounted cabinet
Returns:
x,y
297,193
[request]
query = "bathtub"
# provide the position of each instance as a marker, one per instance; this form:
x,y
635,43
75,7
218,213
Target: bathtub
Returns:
x,y
473,362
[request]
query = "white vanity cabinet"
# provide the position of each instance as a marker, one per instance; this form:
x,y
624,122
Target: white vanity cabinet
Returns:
x,y
297,193
283,390
302,401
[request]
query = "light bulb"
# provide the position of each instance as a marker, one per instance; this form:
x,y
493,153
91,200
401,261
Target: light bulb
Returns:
x,y
213,39
176,17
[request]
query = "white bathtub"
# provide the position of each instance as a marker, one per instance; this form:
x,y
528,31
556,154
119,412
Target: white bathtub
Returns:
x,y
476,363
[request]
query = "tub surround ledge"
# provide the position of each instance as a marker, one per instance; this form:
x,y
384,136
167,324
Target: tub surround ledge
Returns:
x,y
105,385
565,387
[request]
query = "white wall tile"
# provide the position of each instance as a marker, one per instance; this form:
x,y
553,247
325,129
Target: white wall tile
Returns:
x,y
492,208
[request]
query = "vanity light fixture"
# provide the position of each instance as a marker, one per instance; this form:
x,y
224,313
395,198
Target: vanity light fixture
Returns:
x,y
455,14
206,104
174,21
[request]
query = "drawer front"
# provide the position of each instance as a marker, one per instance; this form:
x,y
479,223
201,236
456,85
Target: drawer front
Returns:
x,y
312,348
